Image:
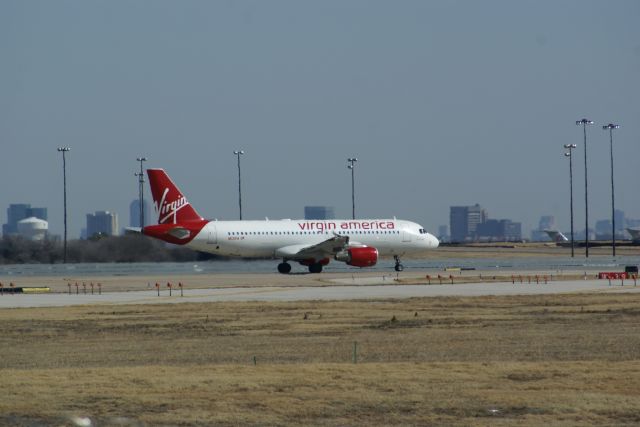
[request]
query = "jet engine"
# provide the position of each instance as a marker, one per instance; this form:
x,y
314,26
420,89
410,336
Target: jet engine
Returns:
x,y
359,257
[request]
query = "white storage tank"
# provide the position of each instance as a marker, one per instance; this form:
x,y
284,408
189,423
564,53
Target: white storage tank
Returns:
x,y
33,228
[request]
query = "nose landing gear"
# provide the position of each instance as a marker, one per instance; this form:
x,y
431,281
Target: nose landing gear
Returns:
x,y
398,266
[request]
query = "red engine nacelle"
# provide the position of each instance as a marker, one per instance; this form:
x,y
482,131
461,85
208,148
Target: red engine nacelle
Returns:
x,y
359,257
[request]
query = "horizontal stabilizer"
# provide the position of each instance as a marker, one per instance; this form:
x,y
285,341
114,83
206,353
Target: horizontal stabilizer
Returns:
x,y
179,233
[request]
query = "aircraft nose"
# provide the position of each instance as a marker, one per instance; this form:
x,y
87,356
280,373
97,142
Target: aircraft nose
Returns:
x,y
433,241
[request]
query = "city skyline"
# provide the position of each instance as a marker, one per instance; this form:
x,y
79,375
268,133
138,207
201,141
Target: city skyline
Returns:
x,y
443,104
600,224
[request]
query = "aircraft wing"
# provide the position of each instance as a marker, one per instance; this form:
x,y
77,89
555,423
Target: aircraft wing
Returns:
x,y
320,250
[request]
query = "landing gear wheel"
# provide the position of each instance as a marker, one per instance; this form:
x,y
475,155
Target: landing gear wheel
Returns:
x,y
315,268
284,268
398,267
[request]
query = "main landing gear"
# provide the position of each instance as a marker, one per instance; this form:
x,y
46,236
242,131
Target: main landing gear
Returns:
x,y
399,266
284,268
315,268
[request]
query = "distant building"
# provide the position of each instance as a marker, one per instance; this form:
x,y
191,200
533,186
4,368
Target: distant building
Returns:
x,y
443,233
102,222
547,222
40,213
632,222
18,212
603,226
33,228
603,229
319,212
620,220
581,235
464,221
499,230
134,213
472,223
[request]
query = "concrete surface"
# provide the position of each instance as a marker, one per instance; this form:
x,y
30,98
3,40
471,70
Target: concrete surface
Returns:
x,y
357,289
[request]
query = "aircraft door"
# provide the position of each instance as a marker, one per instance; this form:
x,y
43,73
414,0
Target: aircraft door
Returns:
x,y
406,236
212,238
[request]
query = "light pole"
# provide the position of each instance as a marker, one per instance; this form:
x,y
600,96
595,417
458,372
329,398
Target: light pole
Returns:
x,y
238,153
141,190
584,123
64,150
611,127
352,163
569,154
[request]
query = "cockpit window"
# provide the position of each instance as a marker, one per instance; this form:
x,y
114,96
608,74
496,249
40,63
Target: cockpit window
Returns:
x,y
423,231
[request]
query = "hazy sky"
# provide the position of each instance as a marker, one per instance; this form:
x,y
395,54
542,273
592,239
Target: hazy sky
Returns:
x,y
443,102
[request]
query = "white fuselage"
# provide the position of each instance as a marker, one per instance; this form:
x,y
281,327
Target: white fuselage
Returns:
x,y
273,239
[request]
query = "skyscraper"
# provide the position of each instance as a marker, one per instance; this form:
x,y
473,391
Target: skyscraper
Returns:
x,y
464,221
443,233
620,221
547,222
19,211
134,213
102,222
319,212
502,230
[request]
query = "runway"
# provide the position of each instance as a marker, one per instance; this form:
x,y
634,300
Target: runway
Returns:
x,y
337,291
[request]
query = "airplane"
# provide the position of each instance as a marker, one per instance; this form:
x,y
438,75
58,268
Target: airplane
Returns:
x,y
562,240
635,234
312,243
556,236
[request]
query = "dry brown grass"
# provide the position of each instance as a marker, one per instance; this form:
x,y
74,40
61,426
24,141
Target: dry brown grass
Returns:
x,y
565,393
520,360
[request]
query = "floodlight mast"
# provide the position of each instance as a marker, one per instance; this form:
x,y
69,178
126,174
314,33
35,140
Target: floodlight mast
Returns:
x,y
352,163
584,123
238,153
141,190
569,154
611,127
64,150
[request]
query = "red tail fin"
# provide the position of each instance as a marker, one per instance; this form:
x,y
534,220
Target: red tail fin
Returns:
x,y
170,205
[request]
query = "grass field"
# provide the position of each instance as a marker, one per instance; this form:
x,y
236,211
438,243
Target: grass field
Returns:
x,y
561,360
